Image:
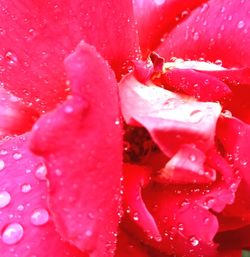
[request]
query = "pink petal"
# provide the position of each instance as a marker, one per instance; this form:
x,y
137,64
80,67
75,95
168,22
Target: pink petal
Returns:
x,y
187,166
81,142
176,211
171,119
212,33
155,18
135,178
36,36
26,224
196,83
15,117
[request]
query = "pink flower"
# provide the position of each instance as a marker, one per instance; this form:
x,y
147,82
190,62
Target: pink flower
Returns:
x,y
131,152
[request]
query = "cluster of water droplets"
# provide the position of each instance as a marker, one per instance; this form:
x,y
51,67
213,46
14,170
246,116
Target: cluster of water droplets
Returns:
x,y
14,232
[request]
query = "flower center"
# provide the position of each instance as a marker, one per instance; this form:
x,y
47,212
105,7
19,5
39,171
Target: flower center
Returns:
x,y
137,145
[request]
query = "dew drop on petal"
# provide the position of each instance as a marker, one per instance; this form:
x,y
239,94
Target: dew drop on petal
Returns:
x,y
135,216
25,188
11,58
17,156
241,24
196,116
39,217
194,241
192,158
12,234
2,165
196,36
5,199
41,172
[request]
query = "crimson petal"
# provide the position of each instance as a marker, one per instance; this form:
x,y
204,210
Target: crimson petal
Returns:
x,y
135,178
213,33
36,36
26,226
161,16
81,142
171,119
202,86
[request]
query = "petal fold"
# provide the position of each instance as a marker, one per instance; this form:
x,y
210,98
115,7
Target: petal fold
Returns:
x,y
81,142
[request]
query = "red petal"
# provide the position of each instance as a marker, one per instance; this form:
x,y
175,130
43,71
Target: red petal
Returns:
x,y
155,18
36,36
135,178
213,33
170,119
187,166
176,210
81,142
202,86
23,205
235,137
15,117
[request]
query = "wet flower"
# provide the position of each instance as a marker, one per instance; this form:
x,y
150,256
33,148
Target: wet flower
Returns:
x,y
124,128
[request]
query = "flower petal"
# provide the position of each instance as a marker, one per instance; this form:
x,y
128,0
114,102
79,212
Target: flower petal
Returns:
x,y
156,17
135,178
36,36
81,142
213,33
198,84
26,225
15,117
171,119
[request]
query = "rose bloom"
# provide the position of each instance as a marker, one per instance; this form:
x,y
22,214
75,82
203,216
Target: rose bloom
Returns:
x,y
124,128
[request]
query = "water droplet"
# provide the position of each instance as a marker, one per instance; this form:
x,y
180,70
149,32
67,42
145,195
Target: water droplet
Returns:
x,y
17,156
39,217
41,172
3,152
5,199
159,2
196,116
218,62
241,24
2,165
58,172
25,188
12,234
196,36
20,207
117,122
192,157
11,58
180,227
88,233
68,109
194,241
135,216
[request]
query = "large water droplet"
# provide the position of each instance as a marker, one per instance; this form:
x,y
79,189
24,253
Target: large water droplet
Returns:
x,y
39,217
12,234
5,199
41,172
2,165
